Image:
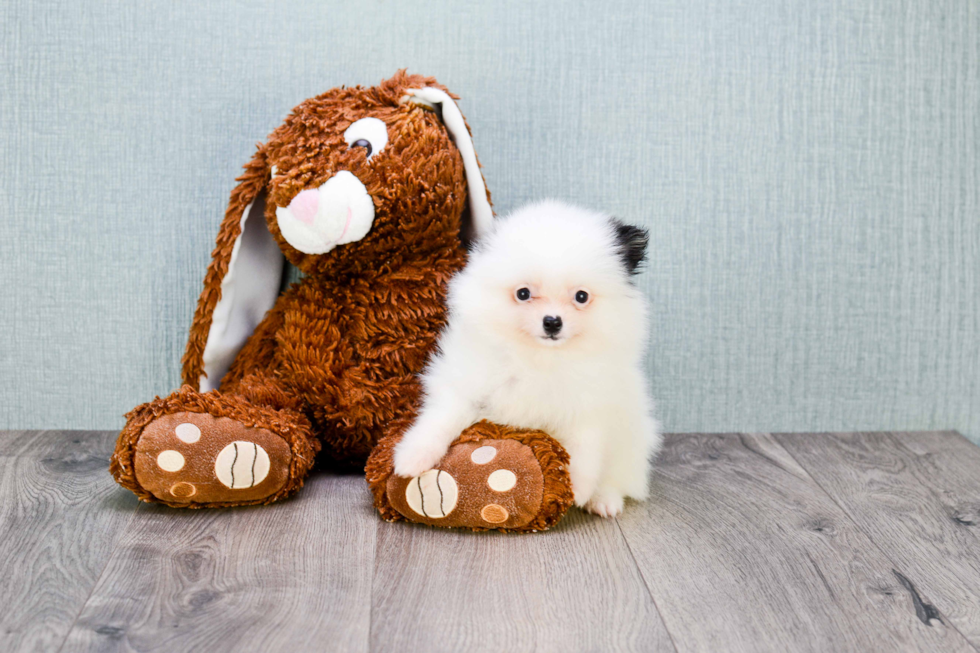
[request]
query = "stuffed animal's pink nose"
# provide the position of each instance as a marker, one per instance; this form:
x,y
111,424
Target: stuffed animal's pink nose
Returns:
x,y
304,206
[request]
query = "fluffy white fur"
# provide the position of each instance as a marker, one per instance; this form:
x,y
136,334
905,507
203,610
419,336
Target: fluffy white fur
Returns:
x,y
585,387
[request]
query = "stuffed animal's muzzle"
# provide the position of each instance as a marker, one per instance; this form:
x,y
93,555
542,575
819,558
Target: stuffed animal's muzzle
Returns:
x,y
318,219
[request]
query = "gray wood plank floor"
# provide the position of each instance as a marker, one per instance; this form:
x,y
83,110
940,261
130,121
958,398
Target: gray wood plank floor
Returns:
x,y
918,498
802,542
60,517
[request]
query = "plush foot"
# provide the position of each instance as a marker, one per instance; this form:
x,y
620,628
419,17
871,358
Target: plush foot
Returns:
x,y
605,502
194,457
197,459
492,477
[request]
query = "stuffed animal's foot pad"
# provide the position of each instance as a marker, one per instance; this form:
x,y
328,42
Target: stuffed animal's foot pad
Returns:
x,y
485,484
434,494
197,458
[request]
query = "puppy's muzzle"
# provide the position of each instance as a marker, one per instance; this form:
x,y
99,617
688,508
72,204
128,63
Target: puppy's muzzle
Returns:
x,y
551,325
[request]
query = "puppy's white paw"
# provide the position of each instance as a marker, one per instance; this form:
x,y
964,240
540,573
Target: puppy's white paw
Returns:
x,y
605,503
583,486
415,456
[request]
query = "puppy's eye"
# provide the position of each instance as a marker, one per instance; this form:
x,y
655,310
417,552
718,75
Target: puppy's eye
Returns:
x,y
369,133
582,297
522,294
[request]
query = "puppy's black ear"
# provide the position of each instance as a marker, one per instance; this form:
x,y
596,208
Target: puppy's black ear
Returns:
x,y
632,243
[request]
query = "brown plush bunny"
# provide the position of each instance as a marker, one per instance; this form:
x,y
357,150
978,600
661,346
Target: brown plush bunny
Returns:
x,y
367,191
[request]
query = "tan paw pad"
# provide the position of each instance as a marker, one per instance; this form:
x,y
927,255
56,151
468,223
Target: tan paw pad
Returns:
x,y
433,494
183,490
241,465
483,455
187,432
502,480
170,461
495,514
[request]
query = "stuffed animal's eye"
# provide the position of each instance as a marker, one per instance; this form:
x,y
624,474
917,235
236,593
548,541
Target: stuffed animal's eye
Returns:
x,y
581,297
369,133
522,294
363,142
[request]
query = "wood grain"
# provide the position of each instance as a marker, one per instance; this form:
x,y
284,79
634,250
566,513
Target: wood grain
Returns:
x,y
34,443
60,515
918,496
742,551
574,588
749,543
293,576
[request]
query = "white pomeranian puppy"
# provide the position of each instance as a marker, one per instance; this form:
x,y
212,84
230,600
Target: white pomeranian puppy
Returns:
x,y
547,331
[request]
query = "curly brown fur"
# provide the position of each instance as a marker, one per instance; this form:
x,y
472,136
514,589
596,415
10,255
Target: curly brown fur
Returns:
x,y
342,346
347,339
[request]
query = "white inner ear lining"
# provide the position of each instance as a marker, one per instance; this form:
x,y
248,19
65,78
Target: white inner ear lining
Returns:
x,y
249,289
480,211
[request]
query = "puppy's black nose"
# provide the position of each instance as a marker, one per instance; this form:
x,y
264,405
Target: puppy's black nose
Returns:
x,y
552,324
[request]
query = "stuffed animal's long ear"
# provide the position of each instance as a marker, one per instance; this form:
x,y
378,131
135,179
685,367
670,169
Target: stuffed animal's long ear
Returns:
x,y
480,211
241,285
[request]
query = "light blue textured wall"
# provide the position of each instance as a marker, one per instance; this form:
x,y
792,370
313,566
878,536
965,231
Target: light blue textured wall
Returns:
x,y
809,172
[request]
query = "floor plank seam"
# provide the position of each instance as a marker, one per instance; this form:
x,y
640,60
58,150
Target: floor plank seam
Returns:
x,y
646,586
945,620
108,561
374,574
898,443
